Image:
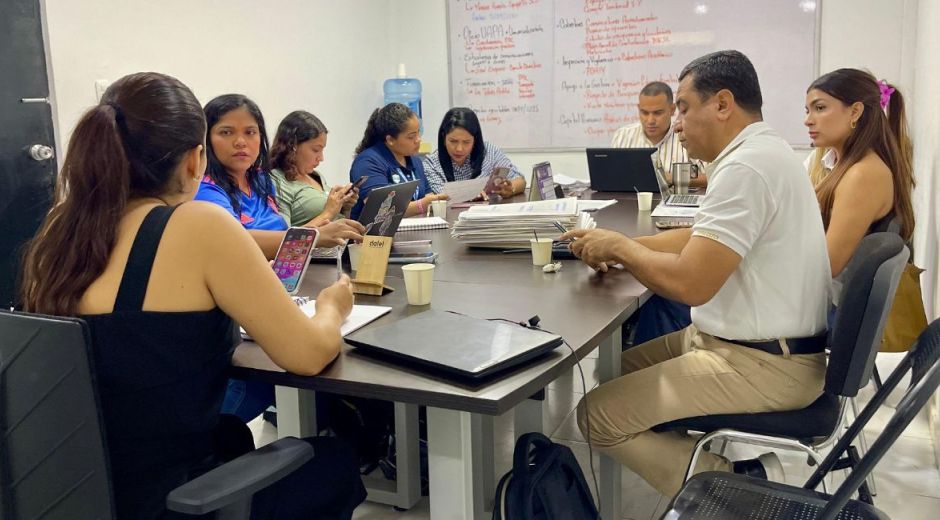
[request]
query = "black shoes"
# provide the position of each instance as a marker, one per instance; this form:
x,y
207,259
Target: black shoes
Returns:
x,y
766,467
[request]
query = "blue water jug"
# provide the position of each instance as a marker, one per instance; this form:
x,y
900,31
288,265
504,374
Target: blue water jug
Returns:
x,y
404,90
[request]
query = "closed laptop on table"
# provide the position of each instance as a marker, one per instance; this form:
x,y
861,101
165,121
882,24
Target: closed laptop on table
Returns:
x,y
455,345
621,169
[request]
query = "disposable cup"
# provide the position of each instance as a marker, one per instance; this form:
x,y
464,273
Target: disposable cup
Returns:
x,y
644,200
541,251
439,208
419,279
354,251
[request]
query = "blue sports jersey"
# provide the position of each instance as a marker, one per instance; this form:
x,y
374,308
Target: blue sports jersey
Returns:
x,y
255,212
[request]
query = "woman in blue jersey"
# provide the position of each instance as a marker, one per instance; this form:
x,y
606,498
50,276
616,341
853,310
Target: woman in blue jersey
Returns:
x,y
237,179
237,175
388,154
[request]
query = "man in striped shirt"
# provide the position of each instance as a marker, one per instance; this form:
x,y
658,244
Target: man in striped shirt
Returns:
x,y
654,130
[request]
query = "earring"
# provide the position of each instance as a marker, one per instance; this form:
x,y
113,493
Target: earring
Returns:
x,y
852,124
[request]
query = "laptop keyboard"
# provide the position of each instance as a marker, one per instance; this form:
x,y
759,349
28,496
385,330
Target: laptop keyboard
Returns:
x,y
688,200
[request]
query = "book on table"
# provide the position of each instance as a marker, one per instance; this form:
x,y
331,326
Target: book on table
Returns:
x,y
422,223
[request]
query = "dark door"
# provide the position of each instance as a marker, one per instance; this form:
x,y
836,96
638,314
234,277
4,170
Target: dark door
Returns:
x,y
27,168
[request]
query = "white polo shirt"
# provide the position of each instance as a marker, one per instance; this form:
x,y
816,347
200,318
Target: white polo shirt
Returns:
x,y
761,205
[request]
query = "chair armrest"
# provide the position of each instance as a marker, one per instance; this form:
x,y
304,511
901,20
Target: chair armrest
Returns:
x,y
241,478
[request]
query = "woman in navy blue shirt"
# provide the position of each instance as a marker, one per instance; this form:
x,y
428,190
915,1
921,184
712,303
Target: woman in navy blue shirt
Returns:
x,y
388,155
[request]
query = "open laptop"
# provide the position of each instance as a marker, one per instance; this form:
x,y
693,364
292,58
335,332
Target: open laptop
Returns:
x,y
468,348
621,169
381,214
686,200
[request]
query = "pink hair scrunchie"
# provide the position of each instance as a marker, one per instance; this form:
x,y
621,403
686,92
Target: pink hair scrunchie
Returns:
x,y
886,92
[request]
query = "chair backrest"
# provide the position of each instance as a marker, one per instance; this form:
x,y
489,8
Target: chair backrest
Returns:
x,y
53,458
923,362
869,283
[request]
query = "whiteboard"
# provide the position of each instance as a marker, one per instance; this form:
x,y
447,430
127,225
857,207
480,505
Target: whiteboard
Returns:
x,y
567,73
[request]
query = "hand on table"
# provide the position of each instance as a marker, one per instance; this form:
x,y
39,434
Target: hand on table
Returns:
x,y
596,247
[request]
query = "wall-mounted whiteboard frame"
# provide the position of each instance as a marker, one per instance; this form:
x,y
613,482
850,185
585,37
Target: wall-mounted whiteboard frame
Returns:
x,y
799,143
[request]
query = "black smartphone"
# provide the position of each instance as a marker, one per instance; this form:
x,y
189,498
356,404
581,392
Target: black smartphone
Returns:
x,y
360,182
293,256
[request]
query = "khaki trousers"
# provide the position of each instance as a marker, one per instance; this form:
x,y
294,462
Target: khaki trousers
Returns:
x,y
688,374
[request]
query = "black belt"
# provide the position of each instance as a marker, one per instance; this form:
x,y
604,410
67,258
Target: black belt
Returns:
x,y
807,345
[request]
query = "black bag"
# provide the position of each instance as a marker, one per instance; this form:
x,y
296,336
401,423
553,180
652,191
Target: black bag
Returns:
x,y
545,483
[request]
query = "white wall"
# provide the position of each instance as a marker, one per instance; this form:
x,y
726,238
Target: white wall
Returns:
x,y
327,57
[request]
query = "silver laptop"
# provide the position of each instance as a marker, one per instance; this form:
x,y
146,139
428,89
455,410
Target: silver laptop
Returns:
x,y
688,200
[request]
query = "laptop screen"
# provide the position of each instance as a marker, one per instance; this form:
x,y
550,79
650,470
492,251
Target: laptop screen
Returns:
x,y
385,207
661,180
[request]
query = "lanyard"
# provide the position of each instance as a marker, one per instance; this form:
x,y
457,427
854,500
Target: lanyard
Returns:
x,y
401,175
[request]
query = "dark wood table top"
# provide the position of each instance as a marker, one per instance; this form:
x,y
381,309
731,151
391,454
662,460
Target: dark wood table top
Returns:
x,y
580,305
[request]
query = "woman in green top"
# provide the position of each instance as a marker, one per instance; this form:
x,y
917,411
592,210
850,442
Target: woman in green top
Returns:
x,y
302,193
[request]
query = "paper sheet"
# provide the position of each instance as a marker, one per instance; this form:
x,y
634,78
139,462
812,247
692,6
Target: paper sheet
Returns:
x,y
462,191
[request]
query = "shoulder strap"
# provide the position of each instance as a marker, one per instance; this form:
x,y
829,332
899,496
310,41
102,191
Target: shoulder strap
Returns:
x,y
130,296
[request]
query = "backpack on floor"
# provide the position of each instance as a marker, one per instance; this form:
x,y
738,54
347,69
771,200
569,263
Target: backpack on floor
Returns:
x,y
545,483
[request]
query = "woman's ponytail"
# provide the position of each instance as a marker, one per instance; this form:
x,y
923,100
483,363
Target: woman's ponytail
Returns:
x,y
94,181
370,137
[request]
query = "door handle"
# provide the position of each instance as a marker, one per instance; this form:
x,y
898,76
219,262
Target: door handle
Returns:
x,y
41,152
34,100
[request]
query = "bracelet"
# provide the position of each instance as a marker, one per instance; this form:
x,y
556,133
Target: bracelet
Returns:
x,y
420,206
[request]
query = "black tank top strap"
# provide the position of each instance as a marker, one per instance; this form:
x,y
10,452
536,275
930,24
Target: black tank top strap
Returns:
x,y
130,296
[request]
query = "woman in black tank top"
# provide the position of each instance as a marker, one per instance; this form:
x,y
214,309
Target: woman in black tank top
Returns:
x,y
162,352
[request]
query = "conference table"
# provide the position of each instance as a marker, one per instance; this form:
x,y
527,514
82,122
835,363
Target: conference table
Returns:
x,y
586,308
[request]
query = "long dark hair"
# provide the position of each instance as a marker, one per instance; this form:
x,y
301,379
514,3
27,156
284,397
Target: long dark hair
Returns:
x,y
885,134
257,173
389,120
466,119
127,146
297,127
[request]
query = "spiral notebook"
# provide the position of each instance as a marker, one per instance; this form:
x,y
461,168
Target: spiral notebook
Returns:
x,y
422,223
360,316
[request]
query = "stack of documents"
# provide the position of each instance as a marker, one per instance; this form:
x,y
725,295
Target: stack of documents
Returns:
x,y
513,225
412,251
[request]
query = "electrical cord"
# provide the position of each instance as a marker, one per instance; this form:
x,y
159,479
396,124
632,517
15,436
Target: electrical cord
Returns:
x,y
533,324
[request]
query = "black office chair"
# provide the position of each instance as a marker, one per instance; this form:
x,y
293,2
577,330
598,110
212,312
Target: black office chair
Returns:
x,y
871,279
53,455
717,495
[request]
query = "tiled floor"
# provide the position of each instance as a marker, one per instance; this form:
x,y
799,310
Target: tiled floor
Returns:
x,y
907,479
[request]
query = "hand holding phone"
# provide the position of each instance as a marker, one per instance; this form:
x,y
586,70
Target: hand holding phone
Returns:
x,y
293,256
496,178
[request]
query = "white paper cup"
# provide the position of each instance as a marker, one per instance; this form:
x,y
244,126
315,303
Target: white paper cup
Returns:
x,y
354,251
419,279
644,200
439,208
541,251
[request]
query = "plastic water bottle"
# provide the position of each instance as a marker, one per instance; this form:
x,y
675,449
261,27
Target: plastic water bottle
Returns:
x,y
404,90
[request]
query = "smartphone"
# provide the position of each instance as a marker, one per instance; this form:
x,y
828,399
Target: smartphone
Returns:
x,y
670,224
499,175
293,256
360,182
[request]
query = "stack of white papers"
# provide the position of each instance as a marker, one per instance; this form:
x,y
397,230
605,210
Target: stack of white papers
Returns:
x,y
513,225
